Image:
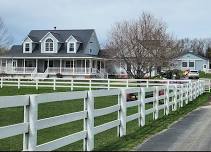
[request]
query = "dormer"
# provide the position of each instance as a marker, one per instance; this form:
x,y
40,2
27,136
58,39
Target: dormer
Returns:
x,y
49,43
27,45
72,44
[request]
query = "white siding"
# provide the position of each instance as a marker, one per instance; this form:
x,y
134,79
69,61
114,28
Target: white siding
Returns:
x,y
27,40
55,41
94,45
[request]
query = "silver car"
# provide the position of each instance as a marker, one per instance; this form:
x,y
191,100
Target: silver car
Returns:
x,y
193,74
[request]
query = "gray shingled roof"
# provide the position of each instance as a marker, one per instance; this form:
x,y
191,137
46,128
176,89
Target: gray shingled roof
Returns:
x,y
17,51
193,53
61,35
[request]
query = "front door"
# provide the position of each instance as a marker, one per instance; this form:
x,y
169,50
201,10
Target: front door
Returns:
x,y
14,63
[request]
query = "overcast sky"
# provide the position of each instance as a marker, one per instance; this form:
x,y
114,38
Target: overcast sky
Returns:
x,y
185,18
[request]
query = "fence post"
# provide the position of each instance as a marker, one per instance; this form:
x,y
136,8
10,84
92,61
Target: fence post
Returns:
x,y
175,97
181,95
191,91
123,113
90,84
167,98
26,135
85,125
127,83
72,84
32,135
186,93
156,102
54,84
108,84
37,83
142,107
90,122
18,83
1,82
147,83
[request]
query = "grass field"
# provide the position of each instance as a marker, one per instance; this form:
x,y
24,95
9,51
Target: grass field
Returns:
x,y
107,140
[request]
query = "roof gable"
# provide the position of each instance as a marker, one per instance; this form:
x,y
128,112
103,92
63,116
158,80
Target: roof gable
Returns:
x,y
48,34
191,55
72,38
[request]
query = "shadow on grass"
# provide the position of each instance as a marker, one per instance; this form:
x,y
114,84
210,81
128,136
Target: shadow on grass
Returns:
x,y
135,138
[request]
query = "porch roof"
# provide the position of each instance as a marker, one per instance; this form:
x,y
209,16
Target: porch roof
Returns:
x,y
16,52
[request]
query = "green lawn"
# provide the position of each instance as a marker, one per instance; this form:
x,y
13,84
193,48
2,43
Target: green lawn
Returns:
x,y
204,75
107,140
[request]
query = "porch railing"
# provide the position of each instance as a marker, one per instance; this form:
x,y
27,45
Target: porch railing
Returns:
x,y
54,70
17,70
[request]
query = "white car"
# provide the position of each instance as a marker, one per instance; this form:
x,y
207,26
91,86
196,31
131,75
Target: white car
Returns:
x,y
193,74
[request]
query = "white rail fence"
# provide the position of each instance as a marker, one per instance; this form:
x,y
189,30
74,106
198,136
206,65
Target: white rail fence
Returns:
x,y
173,97
90,84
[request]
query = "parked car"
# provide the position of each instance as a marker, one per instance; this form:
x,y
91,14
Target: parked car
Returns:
x,y
193,74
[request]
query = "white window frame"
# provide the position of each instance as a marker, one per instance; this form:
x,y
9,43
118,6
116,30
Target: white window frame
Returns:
x,y
68,47
49,45
66,64
72,43
24,47
193,64
186,63
27,47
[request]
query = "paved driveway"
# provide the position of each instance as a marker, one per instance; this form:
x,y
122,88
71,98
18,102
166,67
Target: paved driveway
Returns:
x,y
193,133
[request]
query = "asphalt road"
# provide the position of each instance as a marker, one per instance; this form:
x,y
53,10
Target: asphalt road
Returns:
x,y
193,133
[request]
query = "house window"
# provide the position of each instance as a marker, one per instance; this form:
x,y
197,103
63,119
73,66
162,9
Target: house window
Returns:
x,y
90,50
3,63
27,47
205,66
67,64
184,64
29,63
49,45
71,47
191,64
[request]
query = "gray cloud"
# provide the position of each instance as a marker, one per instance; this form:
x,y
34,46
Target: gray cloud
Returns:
x,y
185,18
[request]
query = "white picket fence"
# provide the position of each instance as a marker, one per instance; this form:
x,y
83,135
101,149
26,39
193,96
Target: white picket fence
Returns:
x,y
85,83
174,96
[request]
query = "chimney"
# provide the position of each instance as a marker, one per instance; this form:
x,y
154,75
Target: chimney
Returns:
x,y
54,27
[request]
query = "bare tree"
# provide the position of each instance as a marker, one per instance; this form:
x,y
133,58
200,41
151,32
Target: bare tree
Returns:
x,y
199,46
5,39
140,45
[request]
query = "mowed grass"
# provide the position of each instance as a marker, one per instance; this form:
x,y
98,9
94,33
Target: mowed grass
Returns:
x,y
107,140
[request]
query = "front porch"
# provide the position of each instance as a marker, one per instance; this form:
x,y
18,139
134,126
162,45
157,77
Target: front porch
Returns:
x,y
66,67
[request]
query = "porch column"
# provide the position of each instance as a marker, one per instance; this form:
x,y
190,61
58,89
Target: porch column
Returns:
x,y
81,66
96,65
36,65
73,66
100,66
60,66
24,65
12,67
6,64
48,63
85,66
90,66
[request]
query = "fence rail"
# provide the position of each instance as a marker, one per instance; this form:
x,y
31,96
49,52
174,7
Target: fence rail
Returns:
x,y
172,95
90,84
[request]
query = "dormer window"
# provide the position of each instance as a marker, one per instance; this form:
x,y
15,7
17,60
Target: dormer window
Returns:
x,y
71,47
27,47
49,45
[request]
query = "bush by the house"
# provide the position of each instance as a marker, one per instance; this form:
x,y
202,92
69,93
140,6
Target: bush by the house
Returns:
x,y
59,75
